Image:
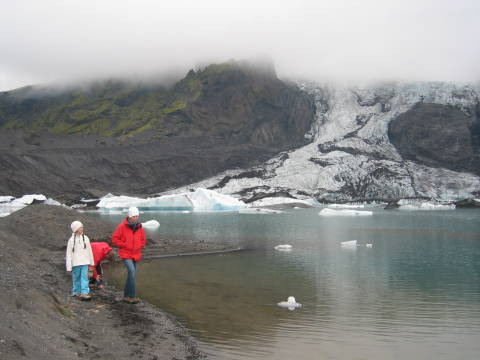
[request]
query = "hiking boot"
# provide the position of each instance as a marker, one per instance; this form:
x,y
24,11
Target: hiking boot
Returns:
x,y
130,300
85,297
75,295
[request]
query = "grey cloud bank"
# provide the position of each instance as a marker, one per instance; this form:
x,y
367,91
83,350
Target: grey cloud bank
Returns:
x,y
58,41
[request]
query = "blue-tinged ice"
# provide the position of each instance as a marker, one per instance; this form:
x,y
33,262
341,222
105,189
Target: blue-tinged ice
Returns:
x,y
198,200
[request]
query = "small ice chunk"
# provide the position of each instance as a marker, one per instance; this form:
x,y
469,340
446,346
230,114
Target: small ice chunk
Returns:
x,y
290,304
352,244
346,206
50,201
331,212
186,212
369,245
285,247
259,211
28,199
151,224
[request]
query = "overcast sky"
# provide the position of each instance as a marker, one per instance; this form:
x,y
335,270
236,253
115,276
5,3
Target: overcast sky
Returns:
x,y
44,41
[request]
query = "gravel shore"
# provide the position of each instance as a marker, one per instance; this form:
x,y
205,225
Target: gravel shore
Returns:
x,y
39,319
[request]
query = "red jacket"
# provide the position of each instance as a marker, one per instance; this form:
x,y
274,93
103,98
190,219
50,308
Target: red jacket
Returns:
x,y
100,251
129,243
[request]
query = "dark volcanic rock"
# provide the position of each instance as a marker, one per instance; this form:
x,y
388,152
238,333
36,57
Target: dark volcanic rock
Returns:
x,y
39,318
467,203
438,135
223,117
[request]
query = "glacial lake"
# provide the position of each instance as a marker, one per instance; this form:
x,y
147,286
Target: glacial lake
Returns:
x,y
415,294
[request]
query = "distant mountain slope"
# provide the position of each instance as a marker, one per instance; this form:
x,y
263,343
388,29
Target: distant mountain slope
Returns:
x,y
135,138
230,99
383,141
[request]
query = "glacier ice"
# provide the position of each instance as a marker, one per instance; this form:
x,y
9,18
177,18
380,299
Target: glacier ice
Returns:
x,y
199,200
346,206
11,204
259,211
351,156
406,204
290,304
352,244
268,201
344,212
285,247
151,224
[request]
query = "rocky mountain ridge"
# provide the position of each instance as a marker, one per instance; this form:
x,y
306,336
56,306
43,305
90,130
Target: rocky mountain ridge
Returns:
x,y
378,142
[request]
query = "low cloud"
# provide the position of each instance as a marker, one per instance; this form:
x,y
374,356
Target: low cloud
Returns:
x,y
57,41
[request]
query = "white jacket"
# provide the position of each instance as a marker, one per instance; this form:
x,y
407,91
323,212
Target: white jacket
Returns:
x,y
76,253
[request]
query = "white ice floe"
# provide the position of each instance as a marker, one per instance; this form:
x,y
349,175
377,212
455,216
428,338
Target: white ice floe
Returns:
x,y
369,245
331,212
346,206
352,244
198,200
285,247
151,224
424,206
259,211
50,201
282,200
290,304
8,207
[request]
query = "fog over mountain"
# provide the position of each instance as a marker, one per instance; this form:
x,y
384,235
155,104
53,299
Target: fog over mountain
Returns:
x,y
63,41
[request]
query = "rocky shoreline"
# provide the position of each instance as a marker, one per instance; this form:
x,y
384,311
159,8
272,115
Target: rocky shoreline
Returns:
x,y
41,321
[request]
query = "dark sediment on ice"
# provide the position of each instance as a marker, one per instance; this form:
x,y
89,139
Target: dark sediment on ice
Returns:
x,y
41,321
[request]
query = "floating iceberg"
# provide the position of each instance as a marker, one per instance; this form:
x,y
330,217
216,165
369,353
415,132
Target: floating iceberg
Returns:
x,y
151,224
259,211
369,245
9,204
346,206
290,304
352,244
282,200
404,205
285,247
331,212
199,200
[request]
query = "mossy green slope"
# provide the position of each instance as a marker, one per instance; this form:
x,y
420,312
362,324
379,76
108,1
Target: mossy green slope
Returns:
x,y
228,99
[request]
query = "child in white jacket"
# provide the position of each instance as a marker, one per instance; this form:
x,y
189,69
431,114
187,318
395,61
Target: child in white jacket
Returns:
x,y
79,257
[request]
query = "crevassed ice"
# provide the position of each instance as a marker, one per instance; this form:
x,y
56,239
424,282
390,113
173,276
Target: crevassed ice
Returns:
x,y
199,200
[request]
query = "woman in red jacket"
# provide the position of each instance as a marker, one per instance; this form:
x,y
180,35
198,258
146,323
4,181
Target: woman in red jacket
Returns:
x,y
130,239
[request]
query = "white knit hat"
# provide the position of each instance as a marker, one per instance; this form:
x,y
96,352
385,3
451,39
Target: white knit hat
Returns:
x,y
76,225
133,211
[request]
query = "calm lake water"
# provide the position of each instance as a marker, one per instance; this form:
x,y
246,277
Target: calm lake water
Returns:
x,y
414,295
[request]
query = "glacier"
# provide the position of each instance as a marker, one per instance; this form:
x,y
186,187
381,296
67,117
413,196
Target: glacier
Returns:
x,y
350,156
